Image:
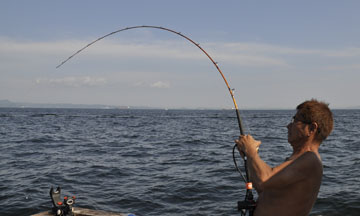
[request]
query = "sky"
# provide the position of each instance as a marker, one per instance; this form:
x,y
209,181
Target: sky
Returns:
x,y
275,54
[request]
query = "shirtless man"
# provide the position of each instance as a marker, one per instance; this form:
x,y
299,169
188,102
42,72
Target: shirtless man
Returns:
x,y
291,188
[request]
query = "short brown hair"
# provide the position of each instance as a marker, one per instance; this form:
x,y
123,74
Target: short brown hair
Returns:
x,y
319,112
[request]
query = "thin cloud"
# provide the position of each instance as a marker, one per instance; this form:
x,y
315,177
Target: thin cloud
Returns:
x,y
110,49
251,60
158,84
73,81
349,67
270,49
161,84
243,54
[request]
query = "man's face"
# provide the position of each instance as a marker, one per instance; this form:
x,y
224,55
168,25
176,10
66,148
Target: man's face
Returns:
x,y
297,130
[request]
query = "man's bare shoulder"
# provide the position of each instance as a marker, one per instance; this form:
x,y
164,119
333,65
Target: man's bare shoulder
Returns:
x,y
308,159
306,166
307,162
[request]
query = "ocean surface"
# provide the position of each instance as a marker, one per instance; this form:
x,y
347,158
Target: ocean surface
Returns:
x,y
158,162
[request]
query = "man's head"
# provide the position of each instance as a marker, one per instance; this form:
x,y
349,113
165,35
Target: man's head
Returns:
x,y
313,111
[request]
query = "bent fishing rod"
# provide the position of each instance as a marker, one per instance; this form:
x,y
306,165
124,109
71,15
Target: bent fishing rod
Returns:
x,y
249,196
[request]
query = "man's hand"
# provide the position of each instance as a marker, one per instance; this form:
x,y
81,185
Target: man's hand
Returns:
x,y
247,145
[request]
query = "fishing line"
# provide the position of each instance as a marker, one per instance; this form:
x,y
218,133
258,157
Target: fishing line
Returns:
x,y
231,91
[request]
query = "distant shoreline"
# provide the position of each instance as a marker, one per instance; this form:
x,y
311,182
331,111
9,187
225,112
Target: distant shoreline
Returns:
x,y
10,104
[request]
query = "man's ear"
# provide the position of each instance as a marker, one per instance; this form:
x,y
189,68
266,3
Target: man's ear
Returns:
x,y
314,127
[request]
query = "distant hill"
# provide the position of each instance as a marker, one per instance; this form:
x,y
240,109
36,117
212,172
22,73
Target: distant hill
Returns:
x,y
10,104
354,107
6,103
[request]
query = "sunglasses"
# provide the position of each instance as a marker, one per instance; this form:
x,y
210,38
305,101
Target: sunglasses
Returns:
x,y
295,120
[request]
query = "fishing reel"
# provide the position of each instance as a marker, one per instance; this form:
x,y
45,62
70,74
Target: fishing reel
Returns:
x,y
249,203
61,207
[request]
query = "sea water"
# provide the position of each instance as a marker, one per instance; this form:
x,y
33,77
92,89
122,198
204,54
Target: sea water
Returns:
x,y
158,162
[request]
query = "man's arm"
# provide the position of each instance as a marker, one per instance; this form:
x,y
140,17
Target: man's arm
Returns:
x,y
260,172
263,176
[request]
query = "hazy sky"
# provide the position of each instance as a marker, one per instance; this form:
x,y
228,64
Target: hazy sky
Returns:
x,y
274,53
